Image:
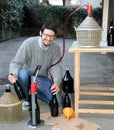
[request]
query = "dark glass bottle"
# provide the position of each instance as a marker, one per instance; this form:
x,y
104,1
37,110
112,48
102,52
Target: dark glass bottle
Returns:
x,y
67,81
66,101
19,91
54,106
110,35
7,88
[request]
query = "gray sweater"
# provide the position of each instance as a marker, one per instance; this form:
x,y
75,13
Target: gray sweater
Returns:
x,y
30,54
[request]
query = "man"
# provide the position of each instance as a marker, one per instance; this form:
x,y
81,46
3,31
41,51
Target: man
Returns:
x,y
38,50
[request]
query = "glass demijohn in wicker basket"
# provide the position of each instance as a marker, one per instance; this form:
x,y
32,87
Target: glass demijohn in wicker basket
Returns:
x,y
88,32
10,107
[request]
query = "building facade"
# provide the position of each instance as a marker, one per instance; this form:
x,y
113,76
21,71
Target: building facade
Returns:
x,y
94,3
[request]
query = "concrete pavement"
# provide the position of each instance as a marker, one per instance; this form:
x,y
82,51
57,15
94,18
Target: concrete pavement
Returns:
x,y
96,69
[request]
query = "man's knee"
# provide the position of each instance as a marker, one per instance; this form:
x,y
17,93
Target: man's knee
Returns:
x,y
23,74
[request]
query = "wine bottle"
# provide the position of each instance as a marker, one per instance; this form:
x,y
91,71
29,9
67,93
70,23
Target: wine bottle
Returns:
x,y
66,101
19,91
110,35
67,81
54,106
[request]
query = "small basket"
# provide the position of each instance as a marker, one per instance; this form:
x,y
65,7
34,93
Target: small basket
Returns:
x,y
88,33
10,108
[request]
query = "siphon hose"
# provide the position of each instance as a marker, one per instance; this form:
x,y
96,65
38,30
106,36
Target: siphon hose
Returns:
x,y
64,35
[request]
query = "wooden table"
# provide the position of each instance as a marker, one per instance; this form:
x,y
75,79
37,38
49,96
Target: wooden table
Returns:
x,y
88,90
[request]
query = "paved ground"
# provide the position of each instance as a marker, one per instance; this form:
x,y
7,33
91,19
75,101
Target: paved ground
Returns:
x,y
96,69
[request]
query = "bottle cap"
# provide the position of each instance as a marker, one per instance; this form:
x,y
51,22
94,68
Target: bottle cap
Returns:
x,y
89,9
67,68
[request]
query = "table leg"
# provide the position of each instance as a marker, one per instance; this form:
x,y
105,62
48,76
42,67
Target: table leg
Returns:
x,y
77,81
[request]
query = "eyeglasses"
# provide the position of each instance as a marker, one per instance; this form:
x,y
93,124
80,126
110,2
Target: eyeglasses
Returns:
x,y
47,35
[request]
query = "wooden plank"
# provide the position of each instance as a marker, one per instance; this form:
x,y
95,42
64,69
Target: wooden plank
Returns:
x,y
77,80
97,88
96,102
77,50
102,111
74,48
97,93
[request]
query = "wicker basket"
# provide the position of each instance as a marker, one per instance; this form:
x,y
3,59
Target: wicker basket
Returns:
x,y
10,108
88,33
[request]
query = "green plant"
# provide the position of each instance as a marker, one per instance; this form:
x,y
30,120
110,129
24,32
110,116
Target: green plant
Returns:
x,y
36,15
97,15
11,15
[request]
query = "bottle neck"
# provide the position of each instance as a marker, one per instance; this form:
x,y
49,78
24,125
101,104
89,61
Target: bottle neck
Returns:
x,y
54,96
111,29
7,88
111,23
67,72
111,26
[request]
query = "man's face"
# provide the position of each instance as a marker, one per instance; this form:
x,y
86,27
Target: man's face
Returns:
x,y
47,37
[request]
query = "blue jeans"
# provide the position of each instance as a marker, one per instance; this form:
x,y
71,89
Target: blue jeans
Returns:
x,y
44,85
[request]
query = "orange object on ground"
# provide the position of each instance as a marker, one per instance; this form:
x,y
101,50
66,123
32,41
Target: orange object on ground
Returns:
x,y
68,112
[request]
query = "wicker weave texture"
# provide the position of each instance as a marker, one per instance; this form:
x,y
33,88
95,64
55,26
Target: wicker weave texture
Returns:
x,y
10,108
88,33
88,38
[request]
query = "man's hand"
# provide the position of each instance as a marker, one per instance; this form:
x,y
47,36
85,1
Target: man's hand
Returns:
x,y
55,88
12,78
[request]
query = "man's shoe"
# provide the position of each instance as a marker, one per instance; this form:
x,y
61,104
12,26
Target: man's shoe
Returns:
x,y
26,105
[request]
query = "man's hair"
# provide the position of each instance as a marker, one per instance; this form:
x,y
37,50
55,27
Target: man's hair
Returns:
x,y
50,26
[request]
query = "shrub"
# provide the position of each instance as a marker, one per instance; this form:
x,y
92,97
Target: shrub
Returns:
x,y
38,14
